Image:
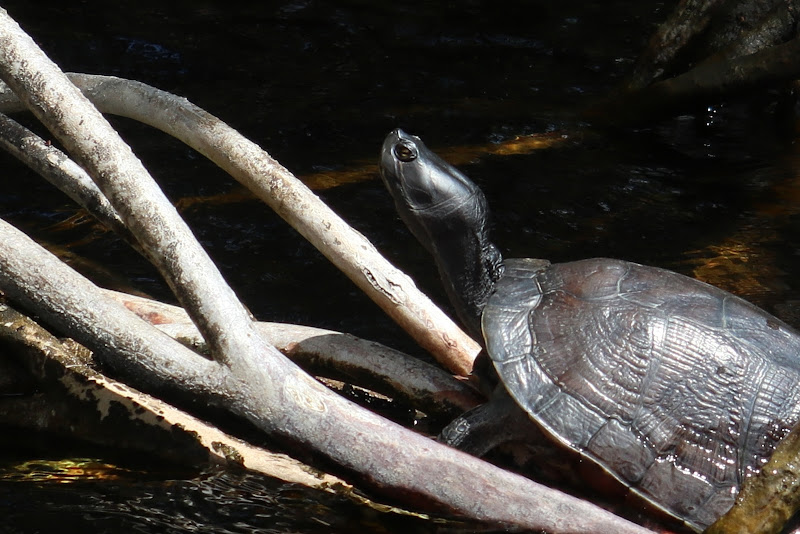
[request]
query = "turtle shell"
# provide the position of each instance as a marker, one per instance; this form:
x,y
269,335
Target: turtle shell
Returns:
x,y
676,388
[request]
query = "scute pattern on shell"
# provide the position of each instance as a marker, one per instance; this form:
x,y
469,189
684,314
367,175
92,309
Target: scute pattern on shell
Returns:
x,y
673,386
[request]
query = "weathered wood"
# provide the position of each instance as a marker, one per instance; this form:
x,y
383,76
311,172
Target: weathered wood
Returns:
x,y
387,371
346,248
57,168
381,455
334,355
253,380
72,399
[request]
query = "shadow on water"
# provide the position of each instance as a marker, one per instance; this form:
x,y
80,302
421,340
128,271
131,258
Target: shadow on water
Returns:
x,y
319,84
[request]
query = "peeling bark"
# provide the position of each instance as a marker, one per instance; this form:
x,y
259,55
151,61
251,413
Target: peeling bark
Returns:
x,y
73,400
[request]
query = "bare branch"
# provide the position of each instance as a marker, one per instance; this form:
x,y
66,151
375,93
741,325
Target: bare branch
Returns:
x,y
134,195
137,422
257,383
58,169
388,457
333,354
346,248
102,325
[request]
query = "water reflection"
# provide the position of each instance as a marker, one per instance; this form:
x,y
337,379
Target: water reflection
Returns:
x,y
218,501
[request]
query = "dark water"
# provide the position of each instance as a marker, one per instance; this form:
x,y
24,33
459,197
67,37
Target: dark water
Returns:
x,y
92,496
712,194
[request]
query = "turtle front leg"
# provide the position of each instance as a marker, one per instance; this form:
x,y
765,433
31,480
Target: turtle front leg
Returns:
x,y
481,429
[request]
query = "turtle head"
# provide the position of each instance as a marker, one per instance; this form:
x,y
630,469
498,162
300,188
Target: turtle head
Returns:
x,y
422,182
448,215
430,195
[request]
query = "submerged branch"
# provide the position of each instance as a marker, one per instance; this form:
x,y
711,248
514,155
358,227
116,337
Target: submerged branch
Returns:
x,y
719,77
709,81
705,51
686,21
778,25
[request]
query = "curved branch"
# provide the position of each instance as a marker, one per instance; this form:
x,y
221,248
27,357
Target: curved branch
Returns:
x,y
257,383
387,457
424,386
333,354
58,169
434,392
346,248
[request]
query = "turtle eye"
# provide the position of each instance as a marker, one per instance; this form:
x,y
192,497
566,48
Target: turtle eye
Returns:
x,y
405,152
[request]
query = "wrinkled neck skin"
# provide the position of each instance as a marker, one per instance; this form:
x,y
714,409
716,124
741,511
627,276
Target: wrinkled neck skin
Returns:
x,y
469,264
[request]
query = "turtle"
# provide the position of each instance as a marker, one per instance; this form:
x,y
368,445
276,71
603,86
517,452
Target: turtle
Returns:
x,y
675,388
